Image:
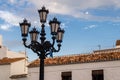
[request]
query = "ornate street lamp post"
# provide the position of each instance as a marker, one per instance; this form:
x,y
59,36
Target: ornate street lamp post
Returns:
x,y
44,47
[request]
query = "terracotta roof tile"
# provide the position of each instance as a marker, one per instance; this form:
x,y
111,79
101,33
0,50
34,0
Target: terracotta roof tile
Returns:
x,y
18,76
6,60
81,58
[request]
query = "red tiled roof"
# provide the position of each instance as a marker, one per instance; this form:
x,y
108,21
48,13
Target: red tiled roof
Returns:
x,y
18,76
82,58
6,60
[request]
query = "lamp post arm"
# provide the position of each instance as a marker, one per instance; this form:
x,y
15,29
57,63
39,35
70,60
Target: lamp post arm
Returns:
x,y
53,50
37,52
49,53
53,38
57,50
24,43
29,46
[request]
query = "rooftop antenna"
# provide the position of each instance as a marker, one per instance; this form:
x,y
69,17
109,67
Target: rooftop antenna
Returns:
x,y
113,45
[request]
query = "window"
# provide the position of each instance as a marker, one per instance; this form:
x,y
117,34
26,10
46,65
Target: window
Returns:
x,y
66,76
97,75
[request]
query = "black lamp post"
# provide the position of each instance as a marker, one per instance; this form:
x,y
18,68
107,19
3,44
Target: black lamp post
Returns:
x,y
44,47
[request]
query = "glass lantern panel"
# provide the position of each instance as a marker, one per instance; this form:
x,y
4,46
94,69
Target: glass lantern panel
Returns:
x,y
52,27
22,29
41,16
59,36
34,36
44,16
26,29
56,28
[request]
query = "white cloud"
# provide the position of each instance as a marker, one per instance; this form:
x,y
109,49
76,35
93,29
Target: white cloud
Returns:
x,y
5,27
10,18
76,8
86,12
12,1
90,27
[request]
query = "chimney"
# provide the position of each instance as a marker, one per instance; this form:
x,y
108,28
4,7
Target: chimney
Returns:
x,y
118,44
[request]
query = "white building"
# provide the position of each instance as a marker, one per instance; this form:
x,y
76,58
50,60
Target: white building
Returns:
x,y
13,66
100,66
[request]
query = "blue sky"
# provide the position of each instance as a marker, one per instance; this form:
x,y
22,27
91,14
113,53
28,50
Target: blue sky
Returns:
x,y
87,23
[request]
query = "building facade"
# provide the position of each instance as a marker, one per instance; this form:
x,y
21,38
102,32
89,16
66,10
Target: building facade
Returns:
x,y
13,65
103,66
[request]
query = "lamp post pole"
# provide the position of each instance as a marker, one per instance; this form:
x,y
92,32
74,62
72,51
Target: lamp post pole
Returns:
x,y
41,69
42,48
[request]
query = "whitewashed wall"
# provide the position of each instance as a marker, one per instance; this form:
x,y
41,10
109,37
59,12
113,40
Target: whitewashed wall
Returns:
x,y
19,67
81,71
14,68
5,72
33,73
3,52
0,40
12,54
22,78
